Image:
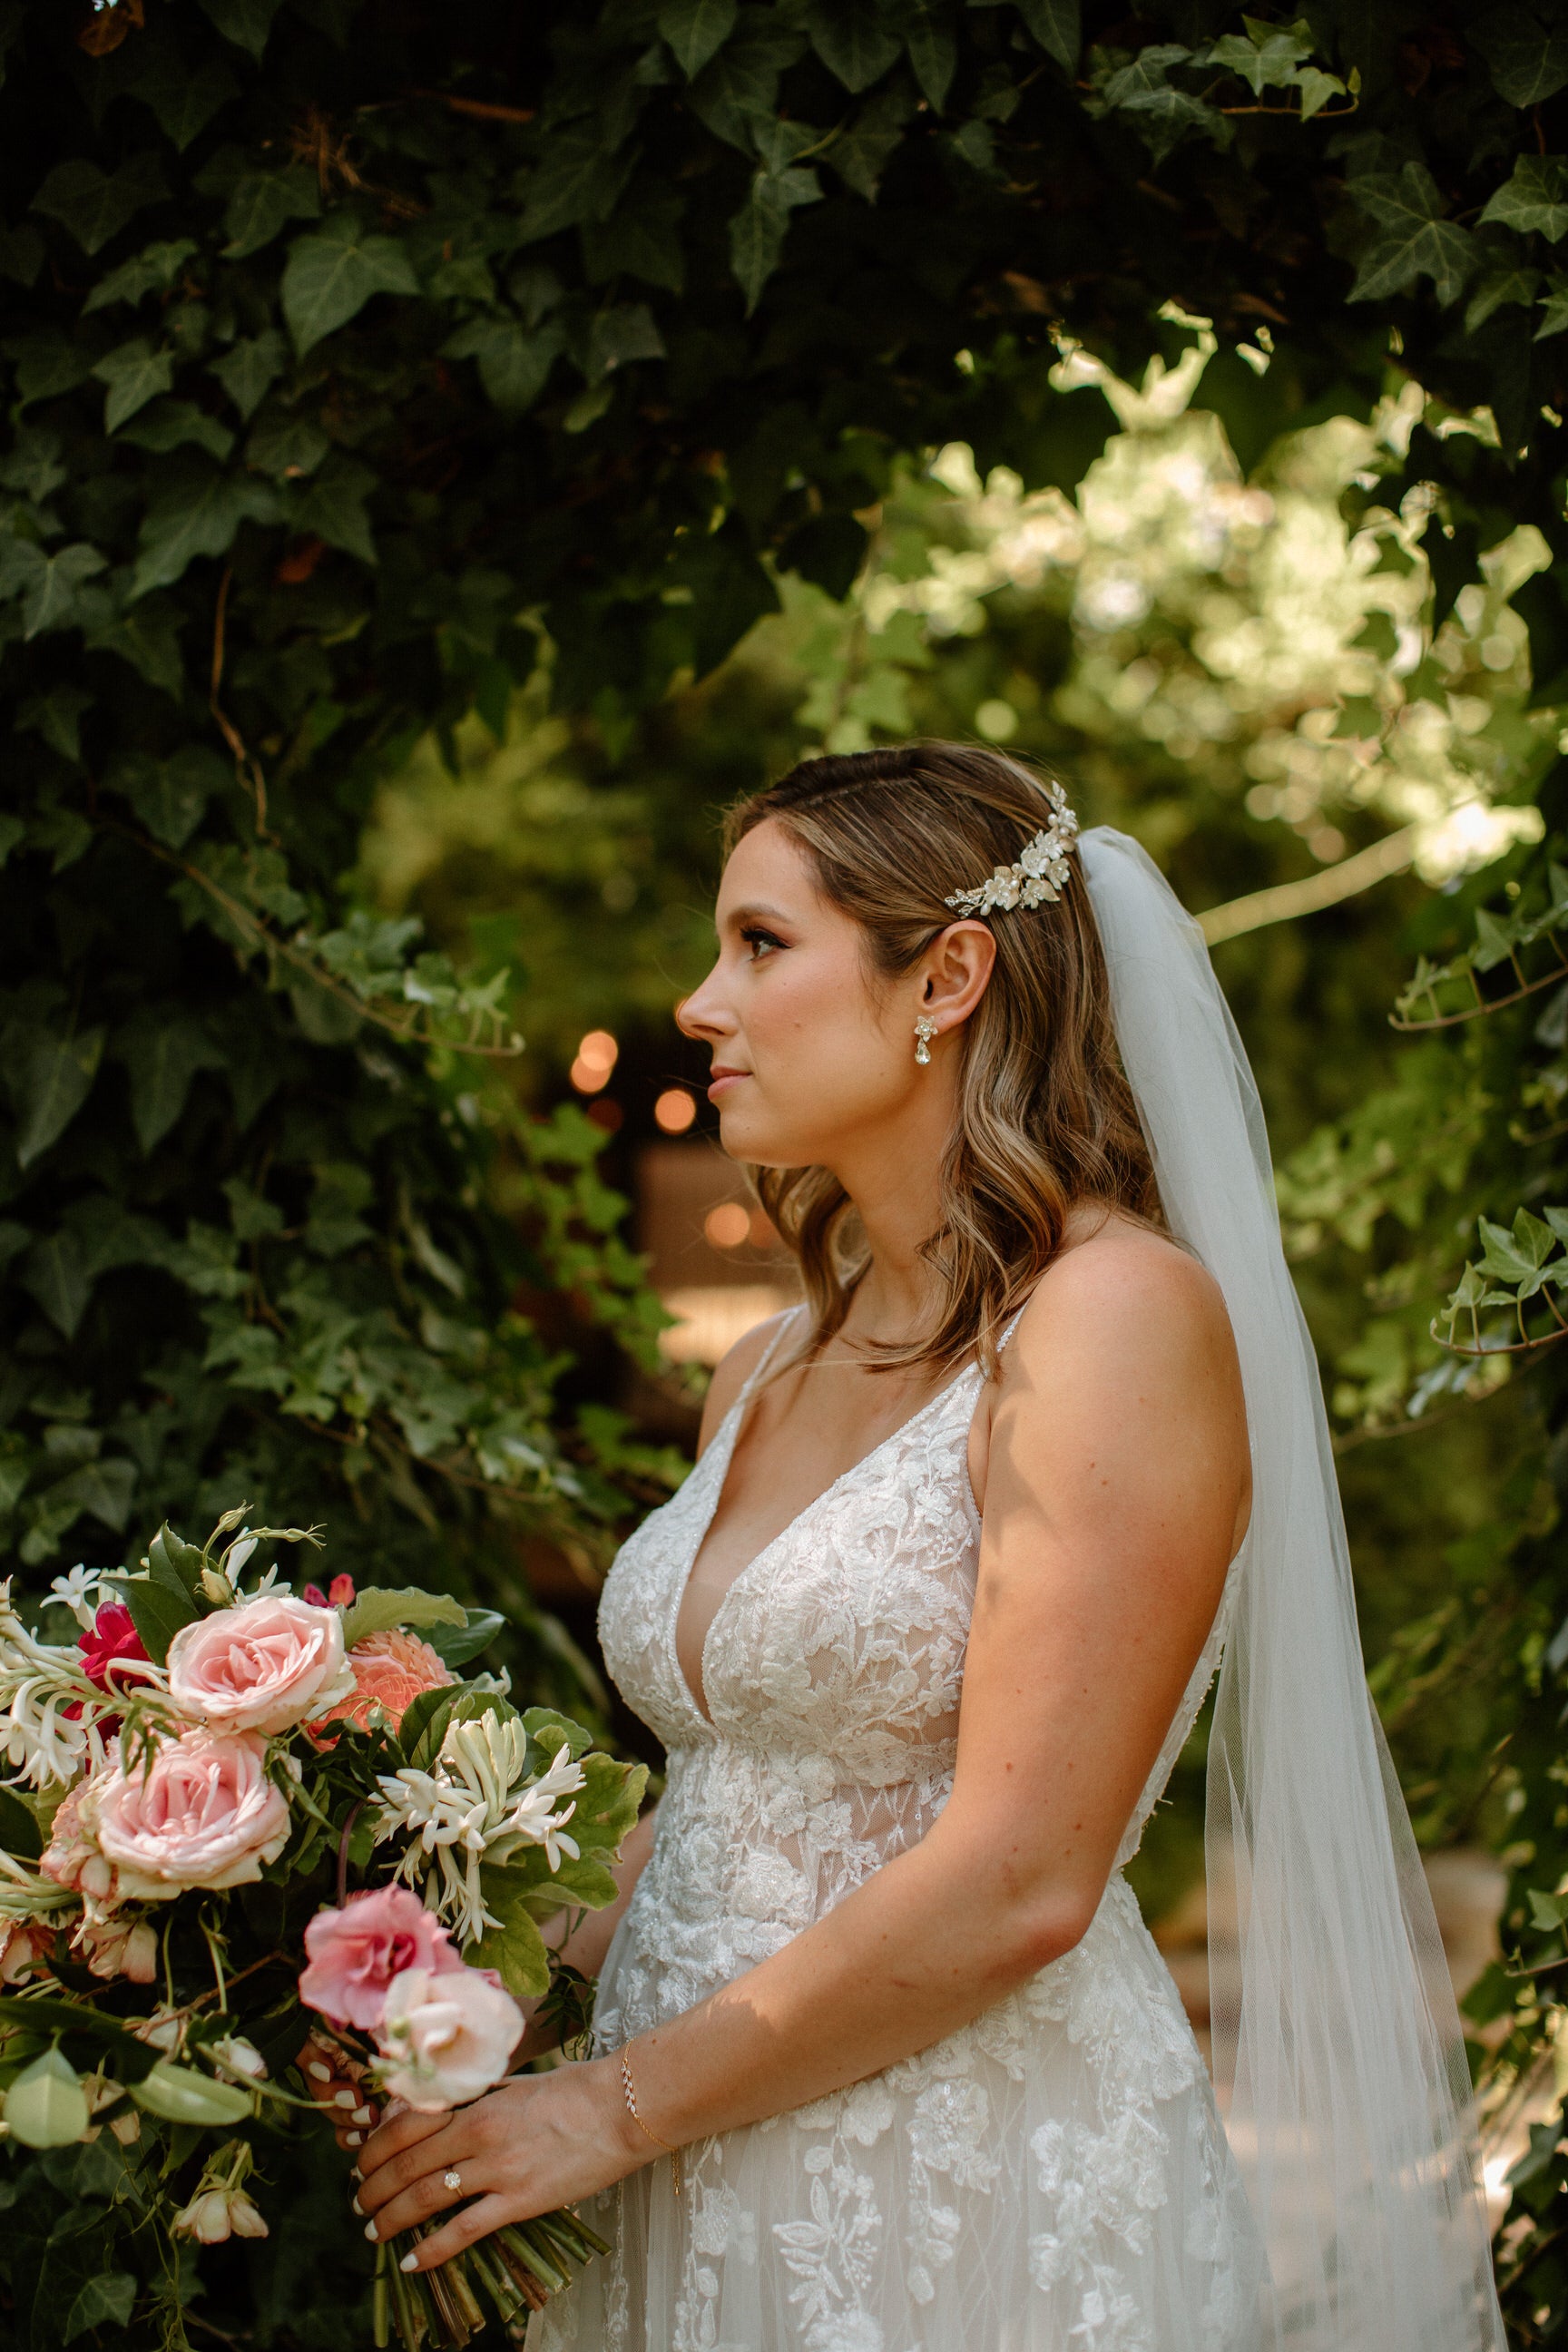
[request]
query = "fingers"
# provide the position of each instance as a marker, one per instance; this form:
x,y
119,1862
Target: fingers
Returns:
x,y
422,2199
336,2080
441,2142
400,2129
465,2229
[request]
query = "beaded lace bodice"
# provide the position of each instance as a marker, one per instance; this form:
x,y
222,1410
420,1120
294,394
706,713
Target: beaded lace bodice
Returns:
x,y
832,1671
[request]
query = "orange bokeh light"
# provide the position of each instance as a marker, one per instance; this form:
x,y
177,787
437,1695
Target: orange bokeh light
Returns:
x,y
675,1110
728,1225
596,1057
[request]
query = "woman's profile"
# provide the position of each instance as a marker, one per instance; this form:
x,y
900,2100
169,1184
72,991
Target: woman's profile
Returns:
x,y
885,2057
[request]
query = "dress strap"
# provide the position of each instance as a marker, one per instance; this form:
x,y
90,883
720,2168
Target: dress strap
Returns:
x,y
1012,1322
769,1352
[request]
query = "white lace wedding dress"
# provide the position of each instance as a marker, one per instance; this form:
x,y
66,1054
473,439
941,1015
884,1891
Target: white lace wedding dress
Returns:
x,y
1052,2178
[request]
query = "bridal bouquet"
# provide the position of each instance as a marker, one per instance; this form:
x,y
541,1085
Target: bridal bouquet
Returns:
x,y
238,1821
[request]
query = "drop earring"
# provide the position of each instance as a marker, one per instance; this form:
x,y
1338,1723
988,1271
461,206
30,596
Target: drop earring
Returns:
x,y
925,1029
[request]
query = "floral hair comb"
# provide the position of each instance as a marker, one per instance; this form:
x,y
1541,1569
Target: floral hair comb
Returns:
x,y
1041,872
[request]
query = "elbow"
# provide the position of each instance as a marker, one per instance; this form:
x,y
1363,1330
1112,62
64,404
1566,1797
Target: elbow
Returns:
x,y
1046,1926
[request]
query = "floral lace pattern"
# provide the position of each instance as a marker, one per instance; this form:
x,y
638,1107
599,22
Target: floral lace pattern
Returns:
x,y
1053,2177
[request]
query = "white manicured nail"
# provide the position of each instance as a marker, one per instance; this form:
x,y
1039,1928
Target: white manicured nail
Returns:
x,y
369,2232
354,2138
317,2072
364,2114
409,2263
358,2208
345,2098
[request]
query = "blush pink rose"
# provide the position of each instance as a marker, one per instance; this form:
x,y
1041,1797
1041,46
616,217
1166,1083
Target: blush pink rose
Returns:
x,y
446,2039
71,1857
355,1953
264,1665
389,1670
205,1812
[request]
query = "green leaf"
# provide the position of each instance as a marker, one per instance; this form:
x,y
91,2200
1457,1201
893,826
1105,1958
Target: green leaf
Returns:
x,y
642,238
1554,314
455,1644
196,512
20,1830
1265,60
329,277
246,23
1498,287
51,1080
1054,24
1529,60
515,1949
135,374
183,98
46,2105
283,445
105,2301
757,231
178,2094
260,205
47,584
22,252
575,181
695,30
157,1614
932,51
153,271
1546,1910
736,91
514,361
178,424
175,1564
379,1608
1535,199
169,795
162,1053
248,372
1317,88
56,1272
860,156
334,506
856,41
102,1490
624,332
1418,241
94,205
47,364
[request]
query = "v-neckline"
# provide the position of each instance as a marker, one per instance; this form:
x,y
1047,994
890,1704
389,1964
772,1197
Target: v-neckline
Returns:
x,y
723,1444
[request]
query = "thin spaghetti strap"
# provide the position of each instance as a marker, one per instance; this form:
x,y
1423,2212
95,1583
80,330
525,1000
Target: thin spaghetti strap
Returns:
x,y
1012,1322
765,1358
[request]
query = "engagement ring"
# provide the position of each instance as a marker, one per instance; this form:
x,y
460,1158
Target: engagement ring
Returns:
x,y
452,2178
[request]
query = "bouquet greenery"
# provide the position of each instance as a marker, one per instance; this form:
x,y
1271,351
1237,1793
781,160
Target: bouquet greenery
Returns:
x,y
239,1820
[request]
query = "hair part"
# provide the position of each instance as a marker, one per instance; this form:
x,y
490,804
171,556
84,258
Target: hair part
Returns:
x,y
1047,1120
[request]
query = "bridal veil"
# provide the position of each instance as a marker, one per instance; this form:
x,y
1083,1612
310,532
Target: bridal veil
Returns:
x,y
1350,2113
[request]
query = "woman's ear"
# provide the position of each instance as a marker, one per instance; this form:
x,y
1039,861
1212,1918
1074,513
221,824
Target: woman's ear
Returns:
x,y
954,972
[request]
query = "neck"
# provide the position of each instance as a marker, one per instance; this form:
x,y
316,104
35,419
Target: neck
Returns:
x,y
894,1181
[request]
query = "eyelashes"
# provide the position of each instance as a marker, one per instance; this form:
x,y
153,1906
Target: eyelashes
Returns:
x,y
756,936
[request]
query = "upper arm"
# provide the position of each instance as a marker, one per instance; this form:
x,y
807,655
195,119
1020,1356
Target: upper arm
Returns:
x,y
1117,1471
734,1370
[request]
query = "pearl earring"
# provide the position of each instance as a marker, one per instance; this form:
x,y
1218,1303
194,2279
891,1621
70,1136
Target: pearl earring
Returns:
x,y
925,1029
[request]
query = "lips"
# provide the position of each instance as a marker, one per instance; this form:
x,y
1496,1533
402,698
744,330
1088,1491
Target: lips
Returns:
x,y
723,1079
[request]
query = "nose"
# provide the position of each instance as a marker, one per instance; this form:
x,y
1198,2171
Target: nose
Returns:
x,y
701,1014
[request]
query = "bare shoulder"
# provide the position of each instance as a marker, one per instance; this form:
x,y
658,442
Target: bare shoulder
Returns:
x,y
1123,1295
734,1370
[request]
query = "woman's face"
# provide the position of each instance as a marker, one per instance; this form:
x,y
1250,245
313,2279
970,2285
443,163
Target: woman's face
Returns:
x,y
812,1058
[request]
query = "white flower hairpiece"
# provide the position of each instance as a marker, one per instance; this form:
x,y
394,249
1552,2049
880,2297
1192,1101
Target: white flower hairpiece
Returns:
x,y
1040,873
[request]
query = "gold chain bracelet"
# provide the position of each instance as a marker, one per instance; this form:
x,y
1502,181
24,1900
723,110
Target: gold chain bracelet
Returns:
x,y
631,2098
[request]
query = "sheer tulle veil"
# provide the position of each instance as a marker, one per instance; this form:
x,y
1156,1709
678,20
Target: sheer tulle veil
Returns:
x,y
1351,2115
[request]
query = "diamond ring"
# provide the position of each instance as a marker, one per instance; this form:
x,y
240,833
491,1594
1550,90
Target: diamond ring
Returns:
x,y
451,2177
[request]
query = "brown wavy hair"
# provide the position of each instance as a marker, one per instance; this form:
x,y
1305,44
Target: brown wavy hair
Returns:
x,y
1046,1119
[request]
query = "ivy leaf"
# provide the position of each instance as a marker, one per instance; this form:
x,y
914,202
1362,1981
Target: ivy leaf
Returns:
x,y
737,91
1418,241
1165,115
56,1272
1498,287
177,424
250,368
161,1055
1265,60
104,2301
932,53
246,23
626,333
286,447
47,364
104,1489
260,205
1529,60
184,101
329,277
334,506
153,271
1534,198
47,584
21,255
860,156
695,30
169,795
642,238
94,204
147,638
1056,24
854,39
757,231
514,361
135,374
196,512
53,1077
575,181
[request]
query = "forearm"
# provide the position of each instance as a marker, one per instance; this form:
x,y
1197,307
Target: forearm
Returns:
x,y
935,1938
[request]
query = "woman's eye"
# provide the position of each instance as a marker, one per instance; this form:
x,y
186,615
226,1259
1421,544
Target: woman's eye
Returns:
x,y
760,942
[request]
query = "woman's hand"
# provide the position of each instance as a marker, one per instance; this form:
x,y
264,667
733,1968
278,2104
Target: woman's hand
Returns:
x,y
533,2143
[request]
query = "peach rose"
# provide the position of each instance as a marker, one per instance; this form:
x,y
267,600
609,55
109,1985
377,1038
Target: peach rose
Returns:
x,y
119,1948
71,1857
389,1670
264,1665
445,2039
355,1952
203,1814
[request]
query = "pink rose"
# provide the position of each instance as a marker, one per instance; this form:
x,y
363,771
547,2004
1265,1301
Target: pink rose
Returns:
x,y
203,1814
25,1946
446,2038
119,1948
389,1670
71,1857
264,1665
355,1953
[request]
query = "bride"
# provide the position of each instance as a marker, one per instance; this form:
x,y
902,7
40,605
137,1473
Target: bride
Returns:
x,y
885,2058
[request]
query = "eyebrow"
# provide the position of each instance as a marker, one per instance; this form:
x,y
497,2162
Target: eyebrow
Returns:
x,y
759,913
